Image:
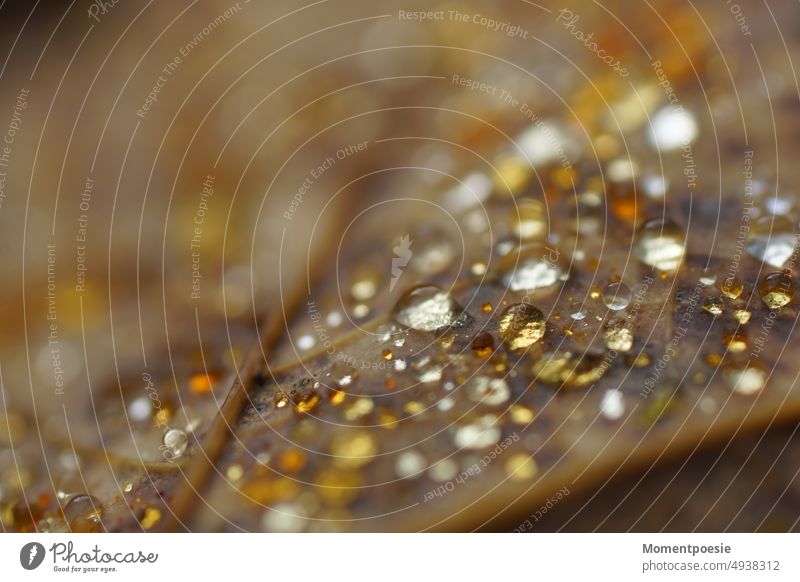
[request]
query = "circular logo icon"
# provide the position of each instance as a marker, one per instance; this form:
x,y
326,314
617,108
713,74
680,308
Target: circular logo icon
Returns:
x,y
31,555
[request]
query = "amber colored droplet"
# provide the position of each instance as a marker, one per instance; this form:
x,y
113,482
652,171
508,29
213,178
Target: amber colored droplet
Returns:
x,y
486,307
292,460
387,355
776,290
151,517
338,487
483,345
201,383
307,403
736,342
713,359
280,400
264,490
390,384
521,325
335,396
521,467
714,305
83,514
731,287
742,316
521,414
642,360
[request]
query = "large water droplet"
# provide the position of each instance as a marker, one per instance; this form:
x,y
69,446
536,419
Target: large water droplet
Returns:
x,y
772,239
426,308
533,266
660,244
776,290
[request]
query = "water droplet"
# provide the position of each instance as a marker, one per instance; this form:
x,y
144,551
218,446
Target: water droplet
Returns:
x,y
570,371
176,441
410,465
285,518
618,336
529,220
742,316
365,286
612,406
616,296
483,345
707,278
521,414
736,342
578,315
478,435
489,391
83,514
746,380
140,409
660,244
433,251
151,516
731,287
772,239
521,467
353,449
776,290
306,403
671,128
426,308
343,374
512,173
714,305
521,326
533,266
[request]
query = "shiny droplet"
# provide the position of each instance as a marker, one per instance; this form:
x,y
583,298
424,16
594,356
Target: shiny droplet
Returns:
x,y
570,371
618,336
529,220
533,266
731,287
772,239
746,380
478,435
660,244
521,467
489,391
483,345
426,308
671,128
714,305
736,342
612,406
776,290
616,296
742,316
353,449
176,441
521,326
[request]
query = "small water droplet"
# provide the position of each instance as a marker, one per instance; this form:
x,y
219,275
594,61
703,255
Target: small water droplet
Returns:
x,y
742,316
618,336
660,244
772,239
489,391
521,326
616,296
533,266
776,290
529,220
736,342
343,374
714,305
746,380
483,345
671,128
731,287
478,435
426,308
612,406
176,441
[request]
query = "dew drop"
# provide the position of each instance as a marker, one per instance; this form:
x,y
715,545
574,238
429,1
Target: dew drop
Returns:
x,y
714,305
776,290
489,391
533,266
660,244
521,326
772,239
731,287
426,308
529,220
176,441
616,296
